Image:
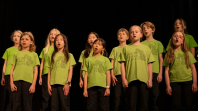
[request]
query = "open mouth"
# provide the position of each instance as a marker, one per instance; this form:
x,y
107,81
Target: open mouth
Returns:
x,y
15,39
24,43
134,36
177,27
52,37
59,44
146,33
121,38
176,41
95,49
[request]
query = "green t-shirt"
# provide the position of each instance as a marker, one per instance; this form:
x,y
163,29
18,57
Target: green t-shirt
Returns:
x,y
178,69
24,63
156,49
136,58
96,68
189,40
6,56
60,69
45,57
115,54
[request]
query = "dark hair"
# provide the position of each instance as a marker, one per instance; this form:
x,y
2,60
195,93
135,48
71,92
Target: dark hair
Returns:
x,y
65,49
87,45
104,53
183,24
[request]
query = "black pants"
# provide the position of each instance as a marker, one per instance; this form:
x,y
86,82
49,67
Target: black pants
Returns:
x,y
7,94
59,97
137,92
22,95
118,96
45,94
153,94
96,98
181,96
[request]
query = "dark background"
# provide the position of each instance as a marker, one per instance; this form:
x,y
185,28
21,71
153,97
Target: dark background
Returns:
x,y
76,19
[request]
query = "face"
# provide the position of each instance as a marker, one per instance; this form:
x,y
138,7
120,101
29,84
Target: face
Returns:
x,y
178,25
91,39
147,31
60,42
98,47
26,41
122,36
178,39
135,33
16,37
52,35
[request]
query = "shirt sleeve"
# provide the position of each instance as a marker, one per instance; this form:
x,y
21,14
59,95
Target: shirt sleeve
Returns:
x,y
48,62
191,58
122,55
13,60
42,54
161,48
72,61
86,65
82,57
112,54
108,65
36,60
192,42
165,61
168,45
5,55
150,56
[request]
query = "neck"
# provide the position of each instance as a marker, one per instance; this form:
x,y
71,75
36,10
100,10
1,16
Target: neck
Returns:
x,y
122,43
52,44
178,48
25,48
60,50
136,42
149,38
16,45
97,54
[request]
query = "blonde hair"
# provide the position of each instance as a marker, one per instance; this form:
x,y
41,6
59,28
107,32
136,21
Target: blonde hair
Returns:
x,y
32,46
170,56
130,31
148,24
47,43
123,30
12,35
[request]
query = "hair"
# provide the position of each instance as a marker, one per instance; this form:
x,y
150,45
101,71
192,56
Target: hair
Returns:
x,y
65,49
48,43
130,31
183,25
104,53
148,24
12,35
123,30
170,56
87,45
32,46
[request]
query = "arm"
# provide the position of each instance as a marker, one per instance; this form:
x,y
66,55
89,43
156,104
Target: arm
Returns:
x,y
114,79
41,70
167,80
48,82
123,75
108,77
13,87
192,50
32,87
159,77
3,73
150,71
81,81
194,75
67,87
85,93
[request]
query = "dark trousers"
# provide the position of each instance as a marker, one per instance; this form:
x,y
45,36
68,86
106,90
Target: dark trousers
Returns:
x,y
154,93
118,95
22,95
58,98
45,94
96,98
7,94
181,99
137,92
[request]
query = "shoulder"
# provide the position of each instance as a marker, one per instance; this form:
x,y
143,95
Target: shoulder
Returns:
x,y
70,55
11,48
143,42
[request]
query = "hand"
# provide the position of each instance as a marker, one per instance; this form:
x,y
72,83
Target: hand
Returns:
x,y
49,90
149,83
159,78
85,93
40,81
169,90
3,81
194,88
81,83
125,83
32,89
114,79
13,87
107,92
66,89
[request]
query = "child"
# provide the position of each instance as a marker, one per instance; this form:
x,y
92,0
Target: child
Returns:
x,y
48,50
122,36
60,65
180,25
24,73
97,78
136,70
5,81
180,73
88,52
156,49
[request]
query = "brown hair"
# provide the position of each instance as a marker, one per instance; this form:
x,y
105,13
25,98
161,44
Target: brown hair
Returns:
x,y
32,46
148,24
183,25
131,32
123,30
87,45
65,49
104,53
12,35
170,56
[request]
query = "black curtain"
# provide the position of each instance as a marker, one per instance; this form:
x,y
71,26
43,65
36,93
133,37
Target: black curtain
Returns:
x,y
76,19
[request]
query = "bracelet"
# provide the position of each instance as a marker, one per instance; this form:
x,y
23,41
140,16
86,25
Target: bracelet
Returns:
x,y
107,86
